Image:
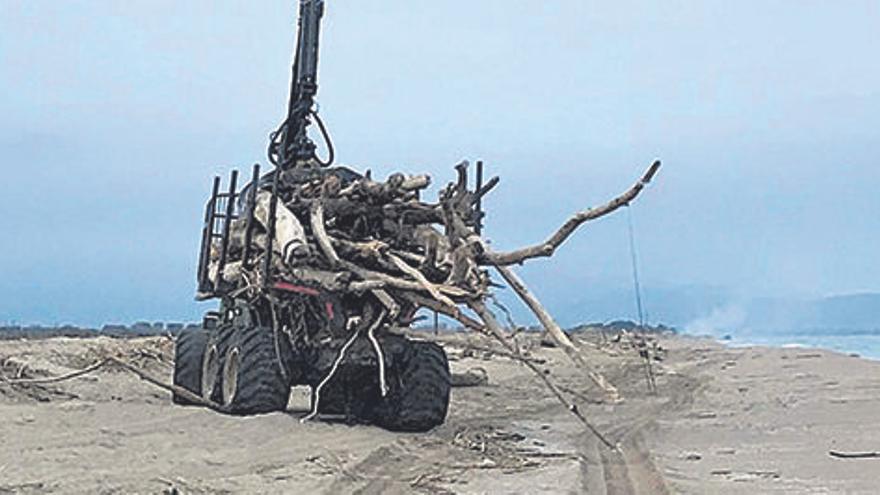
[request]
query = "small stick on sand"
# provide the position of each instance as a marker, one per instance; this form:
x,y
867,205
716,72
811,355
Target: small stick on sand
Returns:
x,y
854,455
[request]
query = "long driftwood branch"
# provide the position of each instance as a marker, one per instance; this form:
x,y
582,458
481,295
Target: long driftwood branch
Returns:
x,y
496,331
54,379
398,283
548,247
186,394
555,332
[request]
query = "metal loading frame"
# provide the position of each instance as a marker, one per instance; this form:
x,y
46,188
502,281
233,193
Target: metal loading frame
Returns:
x,y
210,232
204,283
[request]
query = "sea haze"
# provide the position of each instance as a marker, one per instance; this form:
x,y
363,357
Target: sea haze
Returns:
x,y
847,323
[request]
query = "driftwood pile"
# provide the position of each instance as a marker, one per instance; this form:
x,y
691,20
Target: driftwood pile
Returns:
x,y
351,234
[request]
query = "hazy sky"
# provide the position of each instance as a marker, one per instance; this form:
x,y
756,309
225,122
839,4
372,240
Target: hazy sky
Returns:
x,y
114,116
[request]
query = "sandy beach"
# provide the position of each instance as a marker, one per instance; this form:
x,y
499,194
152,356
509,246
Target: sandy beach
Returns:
x,y
724,420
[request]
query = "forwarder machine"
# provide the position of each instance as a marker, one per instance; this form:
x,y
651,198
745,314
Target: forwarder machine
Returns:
x,y
278,332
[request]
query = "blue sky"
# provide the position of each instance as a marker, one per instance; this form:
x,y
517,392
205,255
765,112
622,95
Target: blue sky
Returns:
x,y
114,115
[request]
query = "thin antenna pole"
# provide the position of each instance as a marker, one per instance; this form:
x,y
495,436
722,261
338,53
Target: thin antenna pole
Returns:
x,y
639,338
635,266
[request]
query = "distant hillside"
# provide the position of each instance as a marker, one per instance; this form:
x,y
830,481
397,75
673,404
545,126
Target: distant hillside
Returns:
x,y
710,309
856,313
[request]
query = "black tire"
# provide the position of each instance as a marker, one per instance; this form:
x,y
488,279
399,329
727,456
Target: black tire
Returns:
x,y
252,381
189,351
420,399
220,340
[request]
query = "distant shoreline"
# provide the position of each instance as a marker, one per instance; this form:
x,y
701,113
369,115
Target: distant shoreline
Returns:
x,y
860,345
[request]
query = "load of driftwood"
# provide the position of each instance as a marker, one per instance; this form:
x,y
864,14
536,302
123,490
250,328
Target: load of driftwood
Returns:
x,y
349,233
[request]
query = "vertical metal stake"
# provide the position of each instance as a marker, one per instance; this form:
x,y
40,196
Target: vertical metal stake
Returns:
x,y
249,226
478,225
270,234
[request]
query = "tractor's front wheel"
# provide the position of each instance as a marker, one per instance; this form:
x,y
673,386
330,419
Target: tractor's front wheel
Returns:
x,y
252,380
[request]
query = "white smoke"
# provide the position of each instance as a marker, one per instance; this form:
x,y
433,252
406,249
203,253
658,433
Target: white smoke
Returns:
x,y
720,320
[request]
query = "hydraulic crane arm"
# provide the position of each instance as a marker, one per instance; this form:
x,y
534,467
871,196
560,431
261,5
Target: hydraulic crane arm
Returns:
x,y
291,144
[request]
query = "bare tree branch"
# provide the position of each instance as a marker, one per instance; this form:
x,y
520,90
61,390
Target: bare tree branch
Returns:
x,y
548,247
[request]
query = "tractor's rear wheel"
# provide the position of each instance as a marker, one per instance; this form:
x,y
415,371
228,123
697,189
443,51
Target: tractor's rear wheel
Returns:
x,y
251,380
189,353
419,399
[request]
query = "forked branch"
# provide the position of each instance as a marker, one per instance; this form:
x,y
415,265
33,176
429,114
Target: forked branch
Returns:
x,y
548,247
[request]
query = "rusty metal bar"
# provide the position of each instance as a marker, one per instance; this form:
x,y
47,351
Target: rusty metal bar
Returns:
x,y
249,227
270,229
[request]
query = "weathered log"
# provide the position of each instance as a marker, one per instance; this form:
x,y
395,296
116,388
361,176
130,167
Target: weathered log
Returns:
x,y
416,182
398,283
317,222
290,238
555,332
